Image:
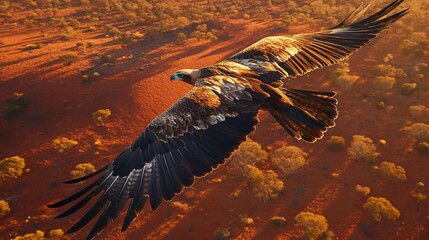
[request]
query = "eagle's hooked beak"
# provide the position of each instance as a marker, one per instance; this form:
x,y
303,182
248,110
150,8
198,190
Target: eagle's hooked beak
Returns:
x,y
175,76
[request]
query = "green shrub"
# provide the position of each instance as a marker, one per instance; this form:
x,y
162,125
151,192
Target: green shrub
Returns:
x,y
4,208
11,167
419,197
408,88
362,148
423,147
61,144
336,143
249,152
181,37
393,172
276,220
69,58
381,208
419,131
384,83
314,224
15,105
289,158
56,234
38,235
416,110
362,190
266,186
100,116
82,169
389,70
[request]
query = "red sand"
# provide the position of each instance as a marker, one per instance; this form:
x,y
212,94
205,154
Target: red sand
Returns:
x,y
63,106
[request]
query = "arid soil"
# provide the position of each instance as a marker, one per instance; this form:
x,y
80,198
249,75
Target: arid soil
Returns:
x,y
136,89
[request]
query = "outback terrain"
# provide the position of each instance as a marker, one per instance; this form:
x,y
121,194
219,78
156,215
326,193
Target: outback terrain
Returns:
x,y
61,61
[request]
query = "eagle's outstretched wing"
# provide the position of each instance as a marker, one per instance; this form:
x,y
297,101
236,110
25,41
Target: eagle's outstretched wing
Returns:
x,y
188,140
299,54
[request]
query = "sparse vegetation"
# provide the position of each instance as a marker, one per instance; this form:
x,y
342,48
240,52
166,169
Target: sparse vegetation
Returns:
x,y
265,185
381,208
343,78
82,169
11,168
4,208
249,152
408,88
336,143
289,158
276,220
416,110
384,83
419,197
55,234
100,116
69,58
364,191
15,105
419,131
314,224
362,149
392,171
62,144
423,147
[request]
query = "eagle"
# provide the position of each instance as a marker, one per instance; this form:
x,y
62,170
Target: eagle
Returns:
x,y
203,128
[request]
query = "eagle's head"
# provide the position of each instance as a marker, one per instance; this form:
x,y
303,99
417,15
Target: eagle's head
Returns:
x,y
186,75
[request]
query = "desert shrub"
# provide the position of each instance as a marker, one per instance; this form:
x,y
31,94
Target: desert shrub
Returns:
x,y
106,58
362,148
246,16
32,46
181,37
314,224
276,220
336,143
38,235
384,83
389,71
419,131
56,234
246,220
362,190
181,206
419,197
408,88
15,105
4,208
392,171
381,208
100,116
423,147
289,158
69,58
11,167
249,152
82,169
343,78
266,186
416,110
223,234
68,33
61,144
387,58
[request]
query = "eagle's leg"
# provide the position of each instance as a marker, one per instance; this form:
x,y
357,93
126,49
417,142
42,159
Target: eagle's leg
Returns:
x,y
303,114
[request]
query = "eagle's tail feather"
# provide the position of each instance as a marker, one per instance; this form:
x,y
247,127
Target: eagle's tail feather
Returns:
x,y
305,114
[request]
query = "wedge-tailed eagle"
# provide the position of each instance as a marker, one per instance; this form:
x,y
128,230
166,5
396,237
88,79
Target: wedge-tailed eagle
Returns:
x,y
201,130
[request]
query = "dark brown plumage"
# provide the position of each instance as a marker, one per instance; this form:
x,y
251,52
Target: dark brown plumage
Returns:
x,y
202,129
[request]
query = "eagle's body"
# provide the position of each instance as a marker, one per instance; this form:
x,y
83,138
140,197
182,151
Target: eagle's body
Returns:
x,y
201,130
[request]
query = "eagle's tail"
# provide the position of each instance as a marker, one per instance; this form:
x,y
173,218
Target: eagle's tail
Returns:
x,y
303,114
